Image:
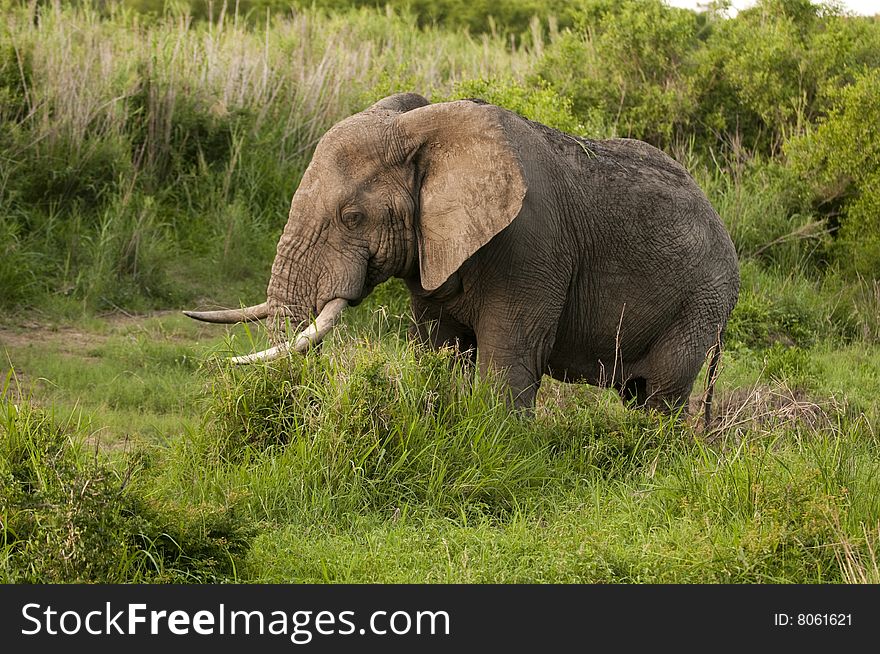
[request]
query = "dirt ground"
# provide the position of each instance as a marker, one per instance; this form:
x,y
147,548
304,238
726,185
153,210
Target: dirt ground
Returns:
x,y
71,338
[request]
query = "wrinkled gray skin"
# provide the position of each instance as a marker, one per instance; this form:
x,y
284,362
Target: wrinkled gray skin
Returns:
x,y
594,261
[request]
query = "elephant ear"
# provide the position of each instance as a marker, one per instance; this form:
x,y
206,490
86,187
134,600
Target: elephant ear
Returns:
x,y
472,181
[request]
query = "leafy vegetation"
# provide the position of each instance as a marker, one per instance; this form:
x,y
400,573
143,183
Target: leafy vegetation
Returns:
x,y
67,517
840,158
148,153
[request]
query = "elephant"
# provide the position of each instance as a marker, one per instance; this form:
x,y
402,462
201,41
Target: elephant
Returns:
x,y
537,252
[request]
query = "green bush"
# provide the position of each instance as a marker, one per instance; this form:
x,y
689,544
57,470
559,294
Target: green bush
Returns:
x,y
786,307
840,163
127,257
749,325
758,200
760,58
67,517
749,82
167,174
623,66
539,103
789,364
377,426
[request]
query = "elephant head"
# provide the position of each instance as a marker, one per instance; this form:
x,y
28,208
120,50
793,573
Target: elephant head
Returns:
x,y
406,189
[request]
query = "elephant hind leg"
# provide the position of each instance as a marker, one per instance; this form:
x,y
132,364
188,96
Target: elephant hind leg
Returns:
x,y
669,386
640,393
673,374
634,391
675,362
670,401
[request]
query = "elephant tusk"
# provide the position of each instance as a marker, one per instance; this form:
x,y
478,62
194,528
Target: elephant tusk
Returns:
x,y
304,340
225,316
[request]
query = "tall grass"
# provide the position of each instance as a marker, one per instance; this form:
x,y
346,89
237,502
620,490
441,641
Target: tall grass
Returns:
x,y
147,150
373,460
66,515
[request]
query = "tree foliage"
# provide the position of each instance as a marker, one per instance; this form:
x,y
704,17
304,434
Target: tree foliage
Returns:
x,y
840,161
662,73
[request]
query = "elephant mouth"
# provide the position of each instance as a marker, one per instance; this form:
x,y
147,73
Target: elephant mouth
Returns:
x,y
355,299
309,337
313,334
314,329
365,292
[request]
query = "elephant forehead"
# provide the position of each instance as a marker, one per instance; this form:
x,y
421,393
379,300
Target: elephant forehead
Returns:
x,y
353,146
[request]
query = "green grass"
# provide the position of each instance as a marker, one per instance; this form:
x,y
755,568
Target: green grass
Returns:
x,y
371,460
133,379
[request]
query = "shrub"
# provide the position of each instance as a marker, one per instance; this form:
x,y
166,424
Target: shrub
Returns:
x,y
789,364
67,517
373,426
839,161
766,74
664,75
539,103
64,519
778,306
758,201
623,66
749,324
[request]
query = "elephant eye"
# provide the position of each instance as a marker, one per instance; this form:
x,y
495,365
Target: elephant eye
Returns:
x,y
352,218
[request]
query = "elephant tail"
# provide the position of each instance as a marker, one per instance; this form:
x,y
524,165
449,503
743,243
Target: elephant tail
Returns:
x,y
711,377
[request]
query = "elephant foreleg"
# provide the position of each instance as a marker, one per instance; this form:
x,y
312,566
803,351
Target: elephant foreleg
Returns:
x,y
435,330
520,380
519,369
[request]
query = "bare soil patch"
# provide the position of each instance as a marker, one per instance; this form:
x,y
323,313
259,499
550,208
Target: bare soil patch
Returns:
x,y
69,338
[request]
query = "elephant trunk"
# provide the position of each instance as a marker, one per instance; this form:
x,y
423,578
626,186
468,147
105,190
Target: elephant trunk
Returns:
x,y
227,316
304,340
